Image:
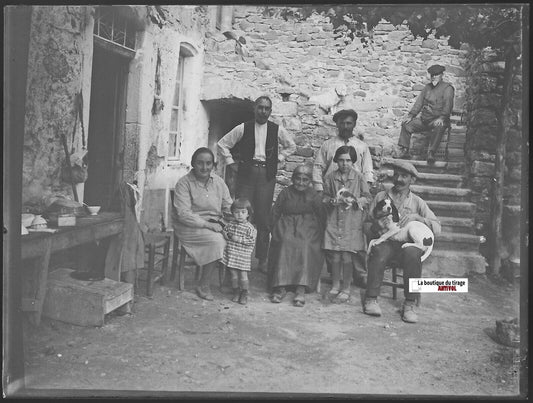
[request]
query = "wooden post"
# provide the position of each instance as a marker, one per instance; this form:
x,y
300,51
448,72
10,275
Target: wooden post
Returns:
x,y
41,265
496,207
17,28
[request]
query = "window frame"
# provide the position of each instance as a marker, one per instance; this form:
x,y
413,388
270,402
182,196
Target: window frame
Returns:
x,y
186,53
174,133
129,39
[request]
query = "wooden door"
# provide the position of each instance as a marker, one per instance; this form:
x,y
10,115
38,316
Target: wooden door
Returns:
x,y
106,126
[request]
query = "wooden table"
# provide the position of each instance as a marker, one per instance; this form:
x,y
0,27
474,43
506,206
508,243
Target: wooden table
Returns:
x,y
38,246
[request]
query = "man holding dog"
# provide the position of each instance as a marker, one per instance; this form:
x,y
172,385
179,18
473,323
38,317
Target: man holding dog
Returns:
x,y
435,104
345,120
410,207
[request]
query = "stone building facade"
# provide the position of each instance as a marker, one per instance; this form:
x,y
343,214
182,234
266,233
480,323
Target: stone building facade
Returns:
x,y
193,73
304,65
128,90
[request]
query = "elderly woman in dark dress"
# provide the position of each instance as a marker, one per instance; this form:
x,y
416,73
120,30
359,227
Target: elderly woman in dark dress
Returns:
x,y
201,201
295,257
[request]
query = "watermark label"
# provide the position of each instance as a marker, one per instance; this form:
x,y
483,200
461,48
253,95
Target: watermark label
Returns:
x,y
438,285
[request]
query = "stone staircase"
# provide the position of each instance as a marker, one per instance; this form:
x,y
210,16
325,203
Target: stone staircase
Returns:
x,y
456,250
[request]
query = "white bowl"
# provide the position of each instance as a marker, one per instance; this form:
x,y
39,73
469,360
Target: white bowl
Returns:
x,y
38,222
94,209
27,219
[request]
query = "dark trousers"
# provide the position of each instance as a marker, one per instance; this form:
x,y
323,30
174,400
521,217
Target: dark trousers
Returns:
x,y
260,192
358,263
417,125
391,251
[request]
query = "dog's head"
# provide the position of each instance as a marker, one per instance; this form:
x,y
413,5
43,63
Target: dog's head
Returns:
x,y
384,208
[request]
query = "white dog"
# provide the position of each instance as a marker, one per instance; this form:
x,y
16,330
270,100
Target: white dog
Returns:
x,y
414,233
344,196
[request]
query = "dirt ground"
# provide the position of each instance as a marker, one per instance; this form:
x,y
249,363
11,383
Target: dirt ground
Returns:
x,y
176,344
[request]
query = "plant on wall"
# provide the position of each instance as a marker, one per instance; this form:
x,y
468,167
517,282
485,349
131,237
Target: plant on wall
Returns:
x,y
158,104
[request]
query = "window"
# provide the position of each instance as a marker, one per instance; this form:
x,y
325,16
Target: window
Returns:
x,y
176,111
179,99
113,27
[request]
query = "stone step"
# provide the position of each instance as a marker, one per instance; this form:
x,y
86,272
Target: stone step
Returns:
x,y
427,178
421,155
441,193
460,145
454,241
439,167
445,263
431,179
456,146
457,137
452,209
437,193
457,224
456,154
457,130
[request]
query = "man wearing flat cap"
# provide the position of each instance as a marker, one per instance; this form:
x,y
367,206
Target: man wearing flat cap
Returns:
x,y
410,208
345,120
434,104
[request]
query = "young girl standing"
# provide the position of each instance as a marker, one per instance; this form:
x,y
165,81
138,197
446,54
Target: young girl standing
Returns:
x,y
346,194
241,235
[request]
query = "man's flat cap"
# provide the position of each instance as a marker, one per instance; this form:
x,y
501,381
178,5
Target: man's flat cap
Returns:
x,y
403,166
436,69
344,112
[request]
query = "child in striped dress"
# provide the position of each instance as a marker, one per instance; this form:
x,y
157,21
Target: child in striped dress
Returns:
x,y
241,235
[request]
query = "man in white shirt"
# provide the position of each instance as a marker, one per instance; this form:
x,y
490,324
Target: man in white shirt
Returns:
x,y
254,149
345,120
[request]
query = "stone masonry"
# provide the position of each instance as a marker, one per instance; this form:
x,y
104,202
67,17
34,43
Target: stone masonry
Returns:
x,y
483,97
304,60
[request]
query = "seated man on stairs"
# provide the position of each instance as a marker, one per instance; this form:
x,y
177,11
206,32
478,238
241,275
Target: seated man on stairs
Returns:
x,y
435,105
410,208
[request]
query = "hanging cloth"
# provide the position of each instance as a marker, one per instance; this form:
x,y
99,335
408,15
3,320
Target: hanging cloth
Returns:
x,y
126,251
78,105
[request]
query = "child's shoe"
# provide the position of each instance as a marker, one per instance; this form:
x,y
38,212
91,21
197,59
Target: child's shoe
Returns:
x,y
236,294
243,298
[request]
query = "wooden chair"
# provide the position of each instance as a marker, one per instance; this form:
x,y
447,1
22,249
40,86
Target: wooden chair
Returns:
x,y
157,252
156,248
397,281
180,266
420,143
394,283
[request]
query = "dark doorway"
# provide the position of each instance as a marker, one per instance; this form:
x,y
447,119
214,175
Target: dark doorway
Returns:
x,y
106,126
224,115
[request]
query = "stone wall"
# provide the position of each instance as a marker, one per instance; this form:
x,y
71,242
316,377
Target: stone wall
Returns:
x,y
184,26
59,66
484,70
302,65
